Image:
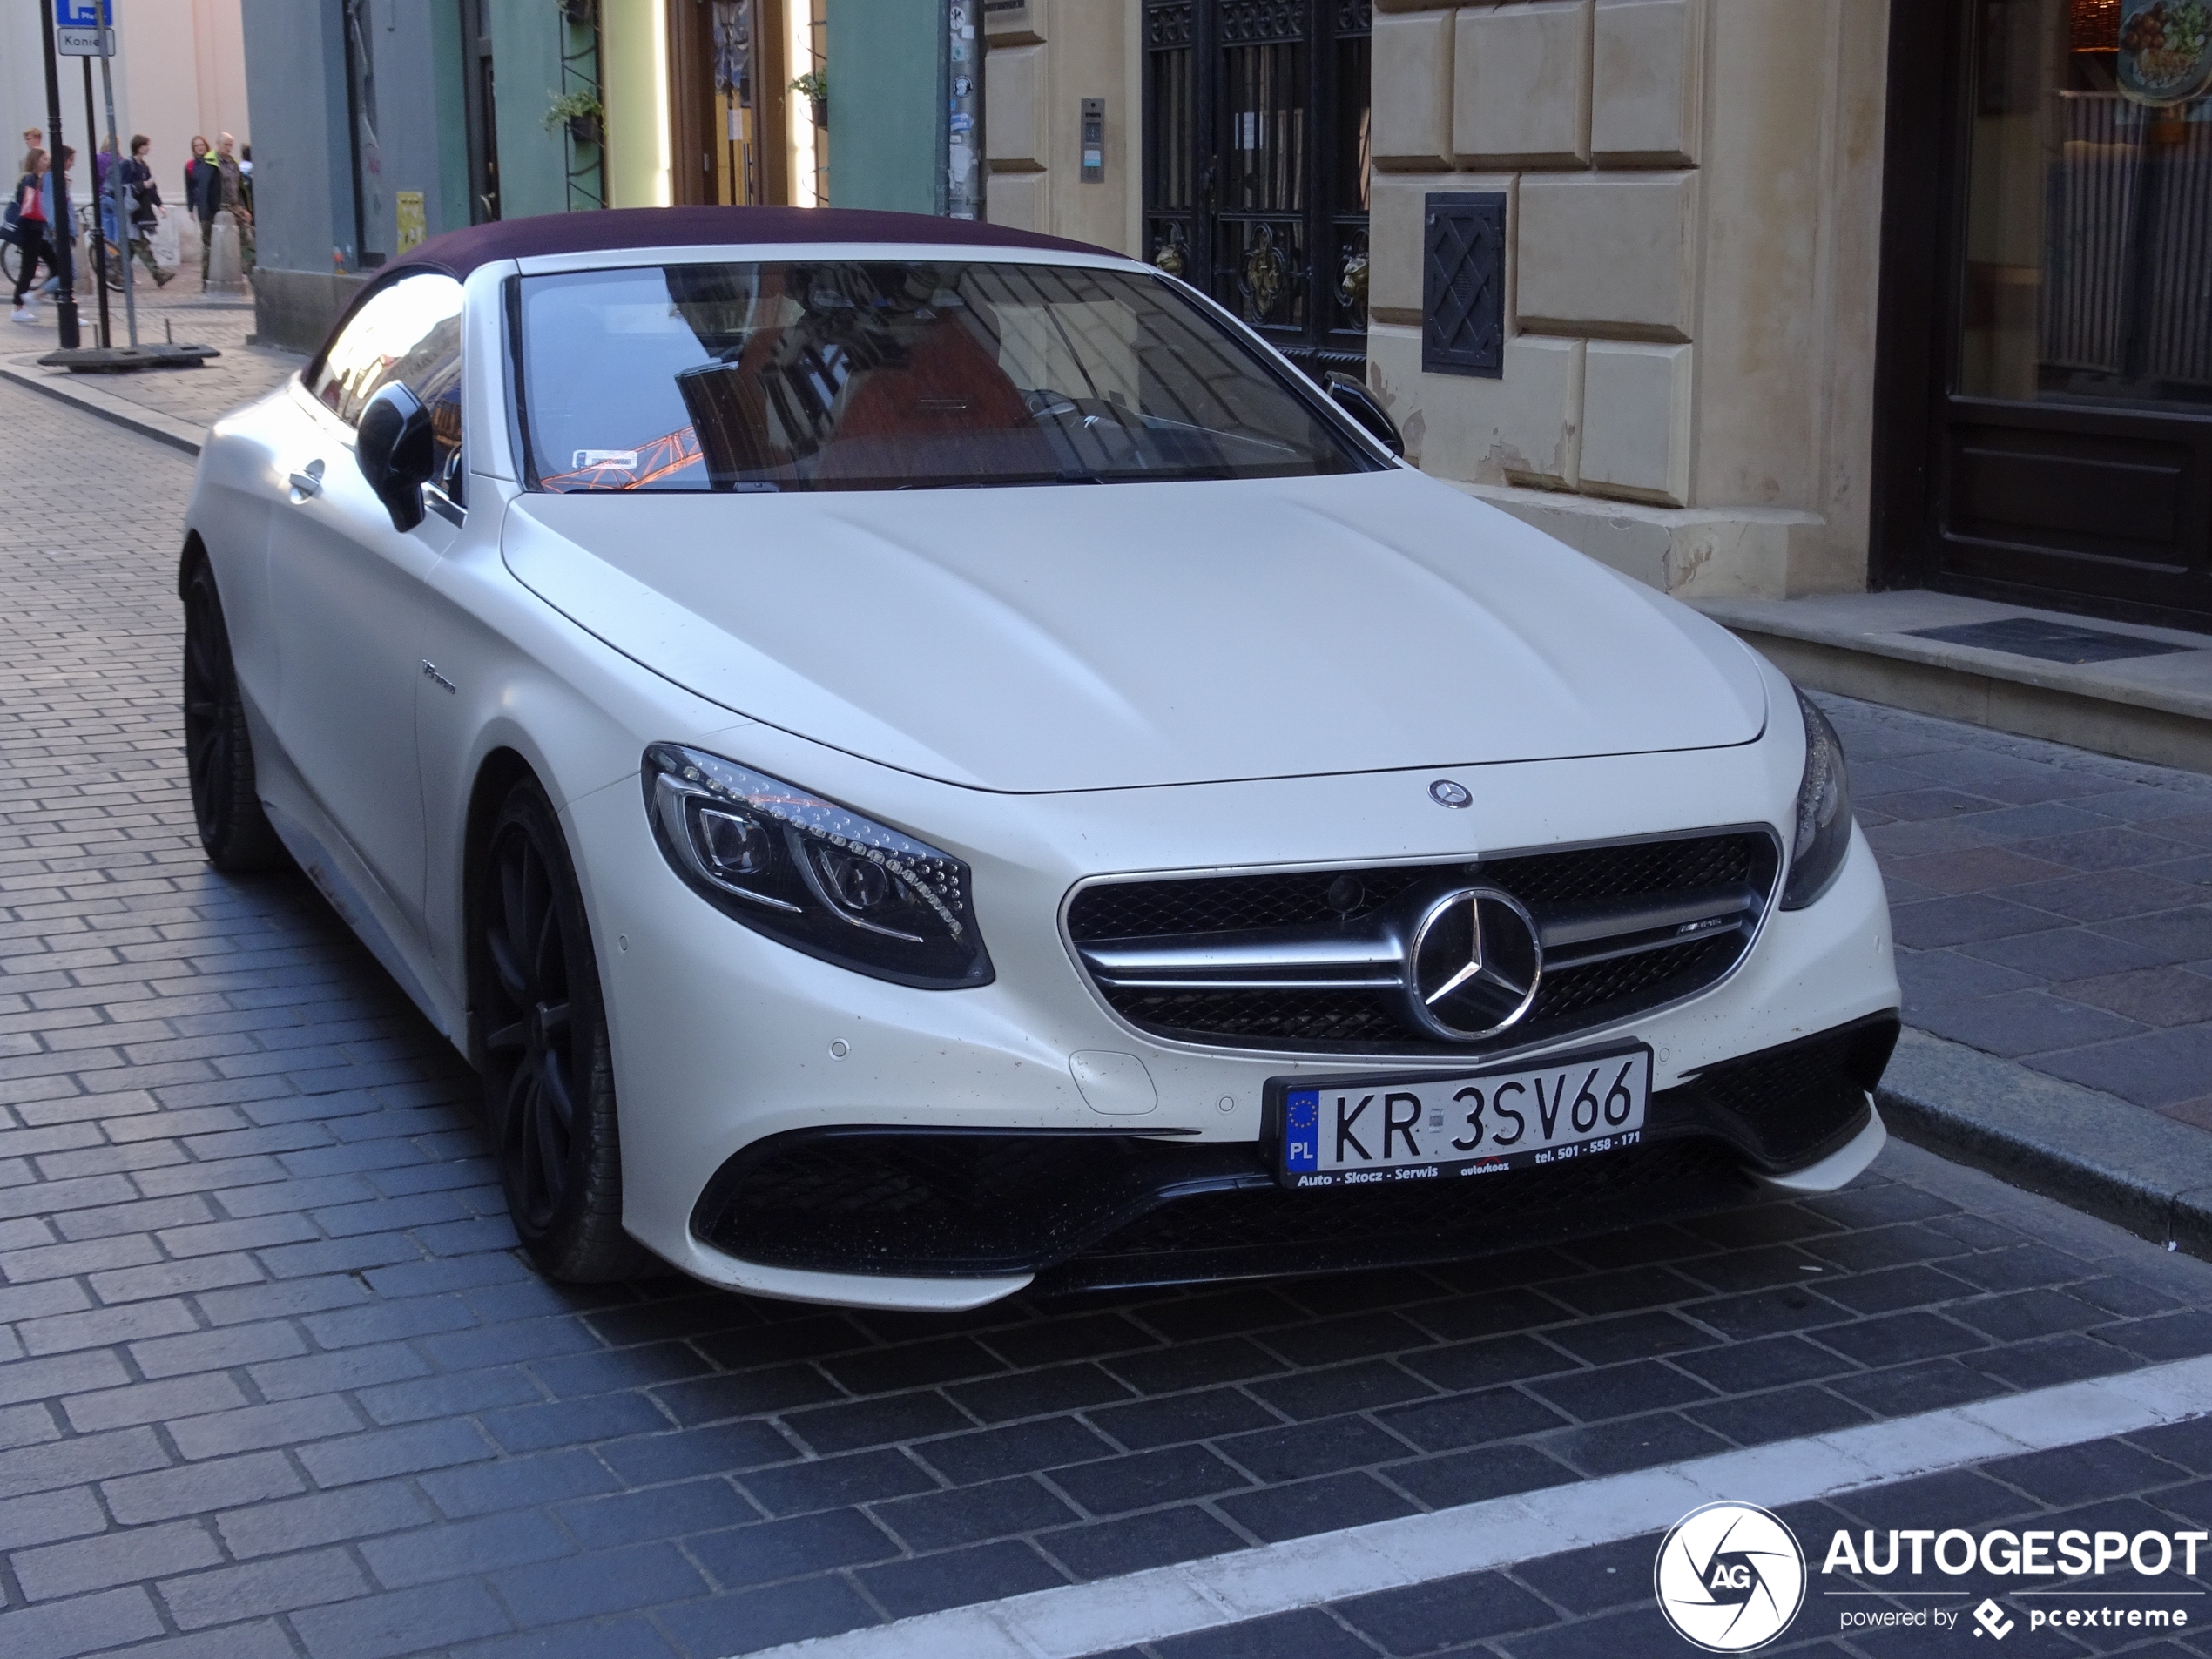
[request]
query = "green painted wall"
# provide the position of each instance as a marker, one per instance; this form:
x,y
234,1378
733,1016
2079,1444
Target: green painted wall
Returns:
x,y
887,104
526,59
452,211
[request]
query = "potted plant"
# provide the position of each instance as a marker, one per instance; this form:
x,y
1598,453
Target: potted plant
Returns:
x,y
584,113
814,86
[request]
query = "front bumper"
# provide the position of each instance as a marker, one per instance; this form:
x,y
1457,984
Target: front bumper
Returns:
x,y
1101,1208
725,1042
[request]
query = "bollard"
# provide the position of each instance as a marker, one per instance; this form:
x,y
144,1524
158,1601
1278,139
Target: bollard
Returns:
x,y
226,266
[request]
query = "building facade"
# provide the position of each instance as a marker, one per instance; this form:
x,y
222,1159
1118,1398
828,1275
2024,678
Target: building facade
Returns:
x,y
385,121
179,72
1745,297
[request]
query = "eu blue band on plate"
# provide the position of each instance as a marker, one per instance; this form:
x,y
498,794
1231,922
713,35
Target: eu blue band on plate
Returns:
x,y
1301,1128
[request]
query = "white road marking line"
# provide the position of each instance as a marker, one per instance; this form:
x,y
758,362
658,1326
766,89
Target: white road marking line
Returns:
x,y
1162,1602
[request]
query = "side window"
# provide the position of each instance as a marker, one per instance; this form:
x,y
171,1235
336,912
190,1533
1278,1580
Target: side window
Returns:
x,y
410,332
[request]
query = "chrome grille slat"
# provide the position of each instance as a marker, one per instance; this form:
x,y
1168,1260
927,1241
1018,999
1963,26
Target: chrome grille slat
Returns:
x,y
1624,927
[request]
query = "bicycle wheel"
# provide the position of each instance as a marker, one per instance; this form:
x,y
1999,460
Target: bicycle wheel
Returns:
x,y
11,263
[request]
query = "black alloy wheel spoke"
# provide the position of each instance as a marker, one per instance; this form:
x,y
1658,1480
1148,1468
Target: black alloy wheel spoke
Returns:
x,y
554,1114
203,703
553,1085
513,984
204,749
516,1035
519,1146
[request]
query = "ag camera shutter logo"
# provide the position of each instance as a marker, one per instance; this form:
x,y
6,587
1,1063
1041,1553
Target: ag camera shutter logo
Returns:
x,y
1730,1577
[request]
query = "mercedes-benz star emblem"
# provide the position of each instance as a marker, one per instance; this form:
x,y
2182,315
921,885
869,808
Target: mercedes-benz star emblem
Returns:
x,y
1474,964
1446,793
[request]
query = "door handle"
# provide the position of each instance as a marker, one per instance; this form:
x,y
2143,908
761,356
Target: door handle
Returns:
x,y
306,483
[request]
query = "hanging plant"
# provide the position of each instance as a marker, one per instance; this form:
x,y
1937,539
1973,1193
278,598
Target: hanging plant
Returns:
x,y
584,113
814,86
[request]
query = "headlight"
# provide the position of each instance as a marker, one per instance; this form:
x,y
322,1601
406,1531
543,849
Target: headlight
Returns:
x,y
1824,812
813,875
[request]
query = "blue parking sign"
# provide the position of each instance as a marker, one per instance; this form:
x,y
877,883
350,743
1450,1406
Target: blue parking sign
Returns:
x,y
77,32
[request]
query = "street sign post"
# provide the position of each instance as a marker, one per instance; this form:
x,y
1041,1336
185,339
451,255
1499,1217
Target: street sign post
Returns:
x,y
65,300
121,210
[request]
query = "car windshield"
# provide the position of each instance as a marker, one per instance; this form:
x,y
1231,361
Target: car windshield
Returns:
x,y
891,374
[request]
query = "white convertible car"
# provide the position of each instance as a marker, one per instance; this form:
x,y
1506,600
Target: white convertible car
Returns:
x,y
913,757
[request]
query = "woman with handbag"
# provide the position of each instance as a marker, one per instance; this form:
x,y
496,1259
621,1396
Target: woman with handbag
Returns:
x,y
137,179
32,233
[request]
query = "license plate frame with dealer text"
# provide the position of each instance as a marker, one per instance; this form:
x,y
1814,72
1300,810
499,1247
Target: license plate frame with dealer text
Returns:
x,y
1381,1130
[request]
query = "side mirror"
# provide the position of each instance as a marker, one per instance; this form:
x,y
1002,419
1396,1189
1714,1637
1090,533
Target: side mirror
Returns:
x,y
1356,401
395,452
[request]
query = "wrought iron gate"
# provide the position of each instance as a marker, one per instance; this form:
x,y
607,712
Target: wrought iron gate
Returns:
x,y
1256,164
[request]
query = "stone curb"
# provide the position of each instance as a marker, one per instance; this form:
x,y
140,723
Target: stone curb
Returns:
x,y
2123,1163
162,429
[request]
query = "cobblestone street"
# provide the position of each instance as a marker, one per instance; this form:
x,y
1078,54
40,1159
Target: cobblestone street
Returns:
x,y
274,1380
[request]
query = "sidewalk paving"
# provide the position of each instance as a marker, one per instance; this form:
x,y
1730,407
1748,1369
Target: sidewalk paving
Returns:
x,y
193,398
2052,907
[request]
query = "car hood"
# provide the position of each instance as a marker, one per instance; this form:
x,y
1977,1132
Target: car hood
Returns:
x,y
1068,638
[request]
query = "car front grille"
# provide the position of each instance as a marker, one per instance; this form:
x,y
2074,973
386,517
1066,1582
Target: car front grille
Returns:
x,y
1310,961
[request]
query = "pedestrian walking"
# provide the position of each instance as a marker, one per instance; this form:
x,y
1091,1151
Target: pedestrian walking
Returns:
x,y
236,196
144,204
31,241
105,162
56,230
203,195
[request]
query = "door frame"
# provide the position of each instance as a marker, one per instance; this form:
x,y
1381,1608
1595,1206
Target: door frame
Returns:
x,y
1927,144
1169,24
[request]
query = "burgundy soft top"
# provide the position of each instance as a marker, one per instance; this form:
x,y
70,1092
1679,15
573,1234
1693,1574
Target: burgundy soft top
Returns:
x,y
461,252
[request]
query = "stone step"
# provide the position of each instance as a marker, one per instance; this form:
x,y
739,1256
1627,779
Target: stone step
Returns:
x,y
2148,699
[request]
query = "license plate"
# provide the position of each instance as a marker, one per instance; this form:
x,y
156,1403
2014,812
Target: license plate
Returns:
x,y
1361,1131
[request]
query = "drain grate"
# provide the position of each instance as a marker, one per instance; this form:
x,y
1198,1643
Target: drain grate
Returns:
x,y
2049,642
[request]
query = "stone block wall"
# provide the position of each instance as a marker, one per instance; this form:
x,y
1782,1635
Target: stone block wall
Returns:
x,y
1692,191
1045,58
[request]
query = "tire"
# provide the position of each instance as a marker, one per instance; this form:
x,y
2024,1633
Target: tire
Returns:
x,y
548,1067
11,263
219,754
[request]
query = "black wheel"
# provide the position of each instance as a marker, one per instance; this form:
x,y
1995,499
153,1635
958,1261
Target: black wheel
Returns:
x,y
549,1072
219,756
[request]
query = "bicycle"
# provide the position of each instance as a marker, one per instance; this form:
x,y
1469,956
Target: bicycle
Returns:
x,y
11,255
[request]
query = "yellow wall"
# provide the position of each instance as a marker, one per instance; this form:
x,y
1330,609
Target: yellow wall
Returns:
x,y
634,64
